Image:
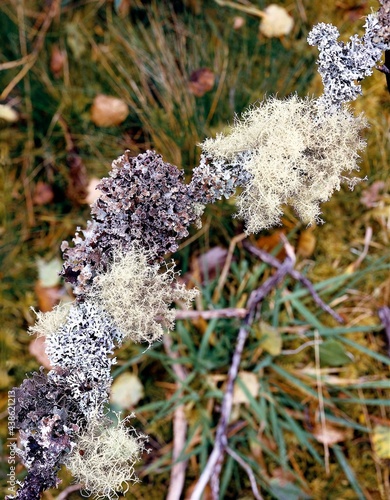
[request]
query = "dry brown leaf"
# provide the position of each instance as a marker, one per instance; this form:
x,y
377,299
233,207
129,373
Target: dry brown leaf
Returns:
x,y
201,81
268,243
108,111
207,265
330,434
238,22
37,349
306,243
43,193
48,296
57,61
283,475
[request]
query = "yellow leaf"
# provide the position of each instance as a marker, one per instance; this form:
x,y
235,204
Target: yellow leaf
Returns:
x,y
252,384
381,441
271,340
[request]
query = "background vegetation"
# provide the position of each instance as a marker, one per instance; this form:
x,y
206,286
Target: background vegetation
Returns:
x,y
312,419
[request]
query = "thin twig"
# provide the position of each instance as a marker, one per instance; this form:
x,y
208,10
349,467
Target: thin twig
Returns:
x,y
180,425
363,255
384,316
321,401
230,312
214,464
248,9
30,59
248,470
67,491
226,267
271,260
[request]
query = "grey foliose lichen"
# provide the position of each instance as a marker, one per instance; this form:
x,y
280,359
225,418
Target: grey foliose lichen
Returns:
x,y
341,64
143,201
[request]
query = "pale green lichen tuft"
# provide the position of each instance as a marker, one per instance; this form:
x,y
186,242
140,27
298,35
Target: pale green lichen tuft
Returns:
x,y
104,457
138,295
298,154
49,322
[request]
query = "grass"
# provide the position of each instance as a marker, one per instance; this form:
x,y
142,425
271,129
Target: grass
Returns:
x,y
146,59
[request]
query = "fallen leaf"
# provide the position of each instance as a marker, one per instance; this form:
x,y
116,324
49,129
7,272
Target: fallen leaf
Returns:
x,y
92,193
126,391
251,381
207,493
47,288
48,272
47,296
201,81
208,265
268,243
331,435
75,39
43,193
271,339
238,22
108,111
37,349
276,22
306,243
371,196
333,353
8,114
57,61
381,441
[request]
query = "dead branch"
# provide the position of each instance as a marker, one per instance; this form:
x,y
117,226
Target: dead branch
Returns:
x,y
271,260
214,464
178,471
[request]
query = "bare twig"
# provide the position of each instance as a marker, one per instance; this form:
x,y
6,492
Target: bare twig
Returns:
x,y
226,267
214,464
248,9
30,59
230,312
248,470
363,255
321,401
271,260
176,483
384,316
67,491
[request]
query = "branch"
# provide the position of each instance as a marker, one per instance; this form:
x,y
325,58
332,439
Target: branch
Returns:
x,y
230,312
248,470
178,471
271,260
213,467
